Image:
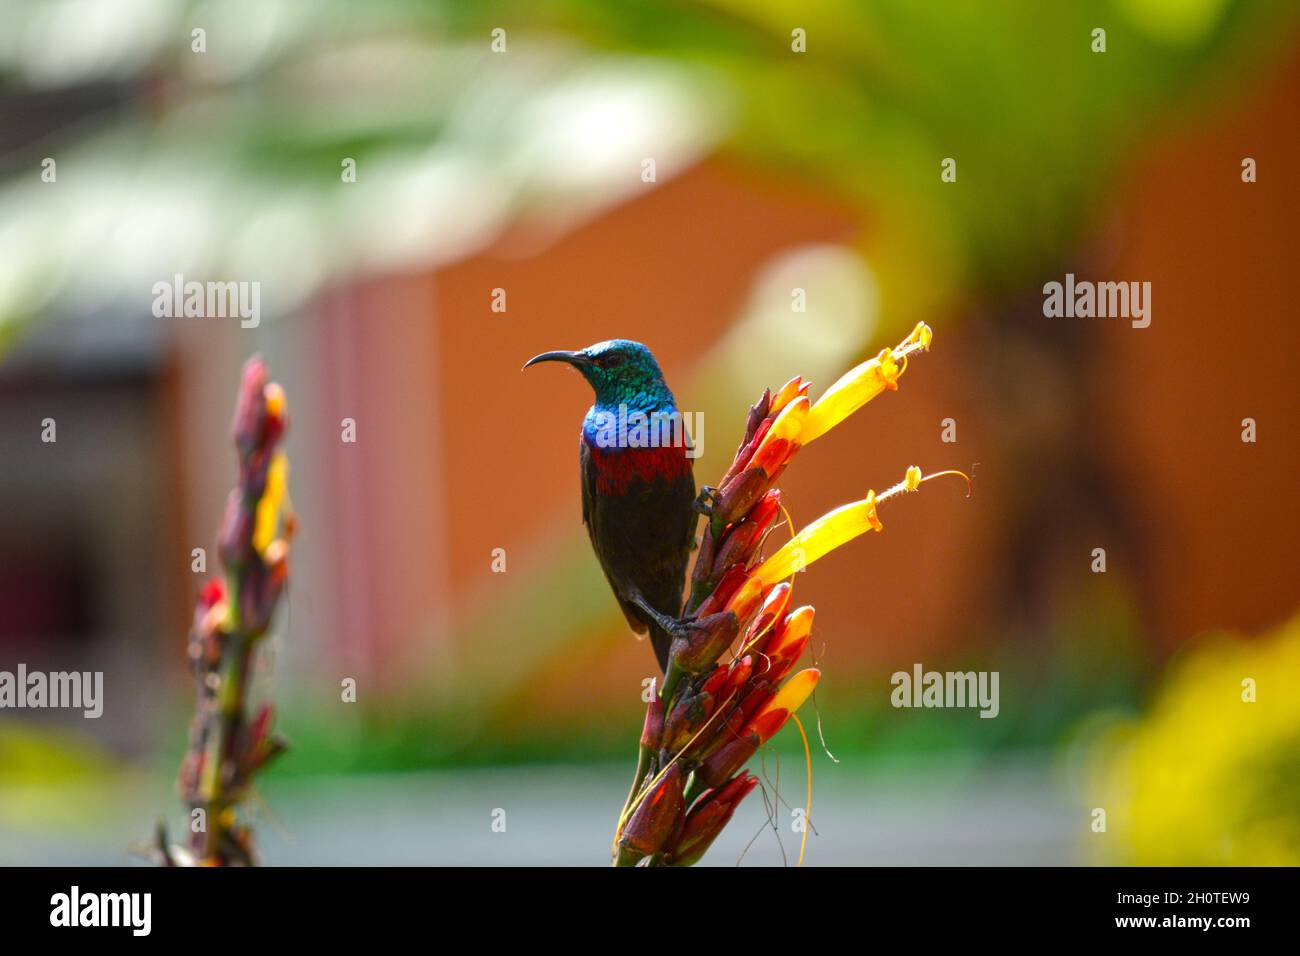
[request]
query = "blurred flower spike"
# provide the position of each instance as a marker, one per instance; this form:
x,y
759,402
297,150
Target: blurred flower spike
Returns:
x,y
231,616
728,688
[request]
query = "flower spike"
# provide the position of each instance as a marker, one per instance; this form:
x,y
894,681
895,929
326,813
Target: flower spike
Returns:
x,y
713,712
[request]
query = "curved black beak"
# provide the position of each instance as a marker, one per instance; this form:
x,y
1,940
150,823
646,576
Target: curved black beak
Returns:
x,y
576,359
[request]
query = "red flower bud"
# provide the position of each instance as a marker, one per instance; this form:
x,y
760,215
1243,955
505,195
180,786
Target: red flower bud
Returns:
x,y
737,496
682,721
727,759
702,574
779,667
250,407
773,607
738,545
710,814
758,413
787,642
704,641
737,676
755,428
235,539
720,732
717,677
768,507
653,730
656,821
717,600
759,692
693,718
743,539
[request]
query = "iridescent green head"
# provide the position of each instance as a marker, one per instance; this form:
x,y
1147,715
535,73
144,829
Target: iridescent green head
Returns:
x,y
620,371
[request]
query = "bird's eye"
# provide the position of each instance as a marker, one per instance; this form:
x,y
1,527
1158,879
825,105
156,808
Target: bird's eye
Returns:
x,y
612,360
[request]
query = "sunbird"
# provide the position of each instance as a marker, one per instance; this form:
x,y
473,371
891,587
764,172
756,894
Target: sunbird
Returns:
x,y
638,496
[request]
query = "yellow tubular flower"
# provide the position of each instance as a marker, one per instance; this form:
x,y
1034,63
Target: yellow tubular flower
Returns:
x,y
771,718
795,691
794,629
268,508
861,384
832,530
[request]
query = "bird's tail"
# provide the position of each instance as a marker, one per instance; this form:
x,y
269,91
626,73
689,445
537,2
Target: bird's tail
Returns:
x,y
661,641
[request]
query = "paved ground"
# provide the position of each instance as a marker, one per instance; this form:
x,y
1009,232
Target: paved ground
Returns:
x,y
944,812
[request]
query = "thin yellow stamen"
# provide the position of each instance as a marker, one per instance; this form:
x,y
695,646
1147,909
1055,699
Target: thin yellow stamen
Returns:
x,y
807,815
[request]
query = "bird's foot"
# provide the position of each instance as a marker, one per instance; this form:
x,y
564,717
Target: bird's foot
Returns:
x,y
674,627
704,501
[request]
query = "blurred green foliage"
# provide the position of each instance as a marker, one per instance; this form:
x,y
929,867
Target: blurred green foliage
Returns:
x,y
887,89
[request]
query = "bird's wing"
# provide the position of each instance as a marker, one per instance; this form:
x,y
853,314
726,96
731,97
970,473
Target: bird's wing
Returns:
x,y
663,581
590,516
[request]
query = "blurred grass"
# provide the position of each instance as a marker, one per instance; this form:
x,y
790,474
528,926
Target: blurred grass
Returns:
x,y
1093,668
1096,663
